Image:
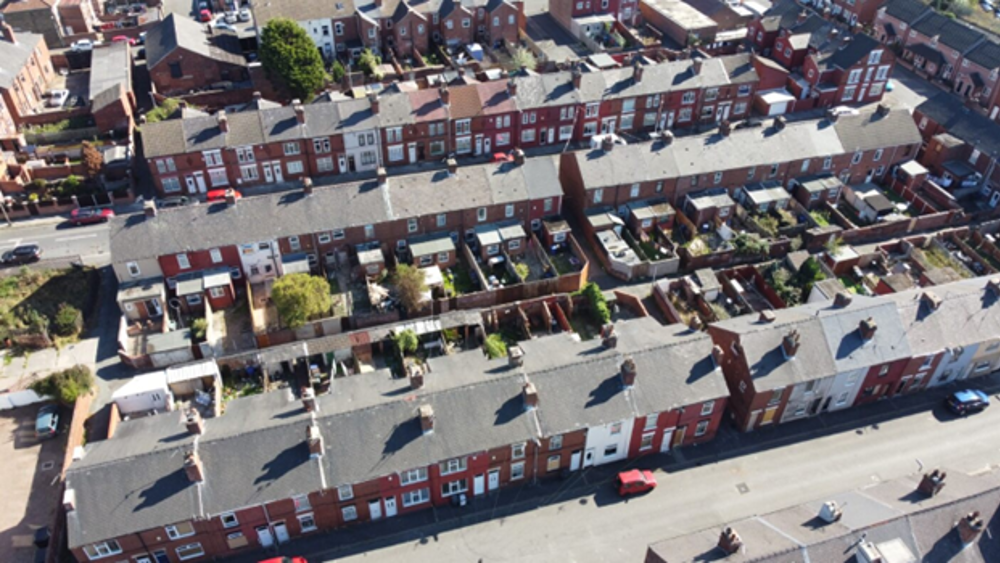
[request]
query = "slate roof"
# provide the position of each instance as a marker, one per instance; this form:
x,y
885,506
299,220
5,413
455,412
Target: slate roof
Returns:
x,y
182,229
949,32
869,130
16,55
178,32
973,128
302,10
906,11
843,337
986,55
926,52
857,49
494,98
967,312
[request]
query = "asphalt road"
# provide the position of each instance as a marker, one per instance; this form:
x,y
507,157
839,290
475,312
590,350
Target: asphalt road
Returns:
x,y
737,483
59,240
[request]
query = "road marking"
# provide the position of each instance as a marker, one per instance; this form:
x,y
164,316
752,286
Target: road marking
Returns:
x,y
11,243
78,237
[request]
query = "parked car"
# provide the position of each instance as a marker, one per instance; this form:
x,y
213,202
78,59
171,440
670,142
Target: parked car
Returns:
x,y
220,195
244,15
90,215
635,481
967,401
230,17
222,24
82,46
123,39
174,201
205,16
285,560
57,98
24,254
47,422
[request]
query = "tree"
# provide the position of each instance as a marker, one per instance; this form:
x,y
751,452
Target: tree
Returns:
x,y
411,286
290,56
598,304
67,385
68,320
93,160
337,71
406,341
369,62
750,244
495,346
300,297
199,328
523,59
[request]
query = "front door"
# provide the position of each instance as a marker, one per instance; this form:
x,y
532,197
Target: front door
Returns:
x,y
479,145
588,457
191,185
670,120
277,172
994,111
678,437
375,509
552,132
413,153
667,436
390,507
199,179
494,479
265,537
487,145
155,310
478,485
722,113
268,175
281,532
161,556
574,460
342,163
902,385
769,415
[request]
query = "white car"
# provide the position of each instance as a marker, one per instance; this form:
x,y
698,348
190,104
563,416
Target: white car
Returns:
x,y
57,98
230,17
222,24
82,46
244,15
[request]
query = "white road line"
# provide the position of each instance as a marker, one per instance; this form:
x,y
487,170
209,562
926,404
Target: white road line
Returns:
x,y
78,237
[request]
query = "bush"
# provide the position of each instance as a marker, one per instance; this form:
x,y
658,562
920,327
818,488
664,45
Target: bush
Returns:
x,y
199,327
750,245
411,284
68,321
163,110
598,304
67,385
337,72
522,270
300,297
369,62
495,346
406,341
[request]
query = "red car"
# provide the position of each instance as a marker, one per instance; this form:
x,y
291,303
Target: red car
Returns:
x,y
220,195
123,39
90,215
635,481
205,16
285,560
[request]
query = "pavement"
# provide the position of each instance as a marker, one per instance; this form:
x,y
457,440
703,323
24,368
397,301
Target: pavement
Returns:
x,y
735,476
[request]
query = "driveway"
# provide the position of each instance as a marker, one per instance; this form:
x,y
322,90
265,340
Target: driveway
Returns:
x,y
29,471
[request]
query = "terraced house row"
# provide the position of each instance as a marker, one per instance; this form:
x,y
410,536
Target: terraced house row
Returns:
x,y
328,138
165,488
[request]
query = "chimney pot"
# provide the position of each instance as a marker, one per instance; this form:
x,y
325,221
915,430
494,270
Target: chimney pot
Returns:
x,y
970,527
767,316
883,110
931,299
512,88
230,196
374,102
609,338
607,143
730,541
725,128
300,111
69,500
932,483
993,287
695,323
452,166
515,356
149,208
577,76
194,423
718,355
309,399
867,328
637,71
779,123
416,374
315,441
383,175
426,413
193,467
790,344
518,157
628,372
696,66
222,120
842,299
445,94
307,185
668,137
830,512
530,395
832,115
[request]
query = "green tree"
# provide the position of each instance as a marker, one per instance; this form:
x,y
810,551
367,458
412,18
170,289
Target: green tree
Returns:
x,y
199,328
68,320
411,285
495,346
406,341
369,62
337,71
290,56
809,274
523,59
598,304
67,385
750,244
300,297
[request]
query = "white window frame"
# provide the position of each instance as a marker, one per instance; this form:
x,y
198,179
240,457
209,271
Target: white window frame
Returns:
x,y
455,487
508,210
555,442
418,475
707,408
454,465
517,450
229,520
517,471
481,214
182,261
345,492
349,513
191,546
307,517
133,269
702,428
102,549
422,496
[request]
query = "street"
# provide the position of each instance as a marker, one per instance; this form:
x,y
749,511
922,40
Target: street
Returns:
x,y
582,520
58,240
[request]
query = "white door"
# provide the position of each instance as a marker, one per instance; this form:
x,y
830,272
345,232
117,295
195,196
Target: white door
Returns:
x,y
574,460
667,435
752,421
993,113
265,537
494,479
375,509
478,485
588,457
277,172
268,175
479,144
670,120
552,132
157,310
390,507
191,185
199,178
413,153
487,145
281,532
342,163
722,113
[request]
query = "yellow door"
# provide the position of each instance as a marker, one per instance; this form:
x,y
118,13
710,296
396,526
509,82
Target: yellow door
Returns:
x,y
769,415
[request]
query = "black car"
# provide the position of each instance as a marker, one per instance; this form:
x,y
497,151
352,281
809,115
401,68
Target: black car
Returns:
x,y
24,254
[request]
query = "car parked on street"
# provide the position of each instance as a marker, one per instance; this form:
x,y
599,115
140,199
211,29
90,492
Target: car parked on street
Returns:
x,y
24,254
285,560
967,401
90,215
244,15
57,98
220,195
123,39
47,422
635,481
205,16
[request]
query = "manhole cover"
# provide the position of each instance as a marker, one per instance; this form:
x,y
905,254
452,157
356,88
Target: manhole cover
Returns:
x,y
743,488
48,465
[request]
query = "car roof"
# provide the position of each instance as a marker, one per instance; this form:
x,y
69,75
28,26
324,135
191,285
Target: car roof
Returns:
x,y
25,248
630,476
971,395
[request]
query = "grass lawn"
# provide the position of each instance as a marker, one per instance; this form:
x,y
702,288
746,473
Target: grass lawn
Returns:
x,y
562,263
458,280
852,287
938,258
43,292
822,219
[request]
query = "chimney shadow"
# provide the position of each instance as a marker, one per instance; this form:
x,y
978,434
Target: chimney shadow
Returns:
x,y
766,364
714,554
704,367
174,437
401,391
509,410
914,497
162,489
605,391
287,460
849,344
402,435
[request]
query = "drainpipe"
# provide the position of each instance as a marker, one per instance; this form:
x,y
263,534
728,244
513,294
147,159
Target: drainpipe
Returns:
x,y
534,472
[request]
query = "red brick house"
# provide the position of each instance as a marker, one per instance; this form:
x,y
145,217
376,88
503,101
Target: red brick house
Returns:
x,y
935,45
855,71
549,104
457,24
504,20
182,56
407,31
894,18
25,83
500,115
977,76
112,101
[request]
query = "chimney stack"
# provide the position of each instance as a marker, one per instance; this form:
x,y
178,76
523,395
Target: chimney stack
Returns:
x,y
725,128
779,123
577,76
729,541
194,423
718,355
767,316
932,483
607,142
970,527
628,372
309,399
832,115
315,441
668,137
867,328
230,196
426,413
307,185
830,512
993,287
931,299
300,111
637,71
373,101
149,208
883,109
530,394
515,356
445,94
842,299
512,88
790,344
223,121
416,375
382,175
695,323
69,500
518,156
609,338
193,467
452,166
696,66
803,16
257,96
8,32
